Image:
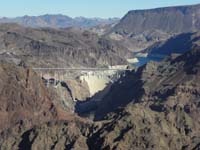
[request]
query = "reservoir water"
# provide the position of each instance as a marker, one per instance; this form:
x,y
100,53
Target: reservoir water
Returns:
x,y
143,60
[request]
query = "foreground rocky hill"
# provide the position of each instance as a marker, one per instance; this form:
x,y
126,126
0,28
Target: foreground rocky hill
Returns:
x,y
139,29
52,135
24,99
155,107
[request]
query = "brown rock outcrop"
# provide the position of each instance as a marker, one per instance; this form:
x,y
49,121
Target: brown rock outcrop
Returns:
x,y
24,99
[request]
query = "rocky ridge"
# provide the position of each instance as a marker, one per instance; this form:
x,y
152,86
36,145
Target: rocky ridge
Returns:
x,y
59,47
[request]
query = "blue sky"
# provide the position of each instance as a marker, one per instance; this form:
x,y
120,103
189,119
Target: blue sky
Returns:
x,y
86,8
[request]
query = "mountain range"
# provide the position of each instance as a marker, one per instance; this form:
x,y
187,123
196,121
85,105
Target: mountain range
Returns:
x,y
58,21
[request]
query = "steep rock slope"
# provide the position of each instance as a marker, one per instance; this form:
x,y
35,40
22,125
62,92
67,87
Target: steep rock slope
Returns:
x,y
177,44
170,19
160,107
139,29
24,99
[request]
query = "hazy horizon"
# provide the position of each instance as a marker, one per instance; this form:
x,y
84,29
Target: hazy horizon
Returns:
x,y
86,8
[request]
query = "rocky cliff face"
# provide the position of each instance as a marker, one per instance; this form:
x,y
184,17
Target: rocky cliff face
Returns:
x,y
139,29
171,19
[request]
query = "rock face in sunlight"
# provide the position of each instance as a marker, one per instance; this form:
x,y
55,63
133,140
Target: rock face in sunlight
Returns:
x,y
24,99
68,90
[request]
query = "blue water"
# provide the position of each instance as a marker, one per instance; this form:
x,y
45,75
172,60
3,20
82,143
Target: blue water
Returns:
x,y
144,60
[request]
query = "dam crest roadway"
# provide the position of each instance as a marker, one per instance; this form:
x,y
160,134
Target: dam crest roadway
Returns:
x,y
106,75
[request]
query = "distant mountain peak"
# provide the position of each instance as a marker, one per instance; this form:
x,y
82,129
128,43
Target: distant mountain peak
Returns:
x,y
58,21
